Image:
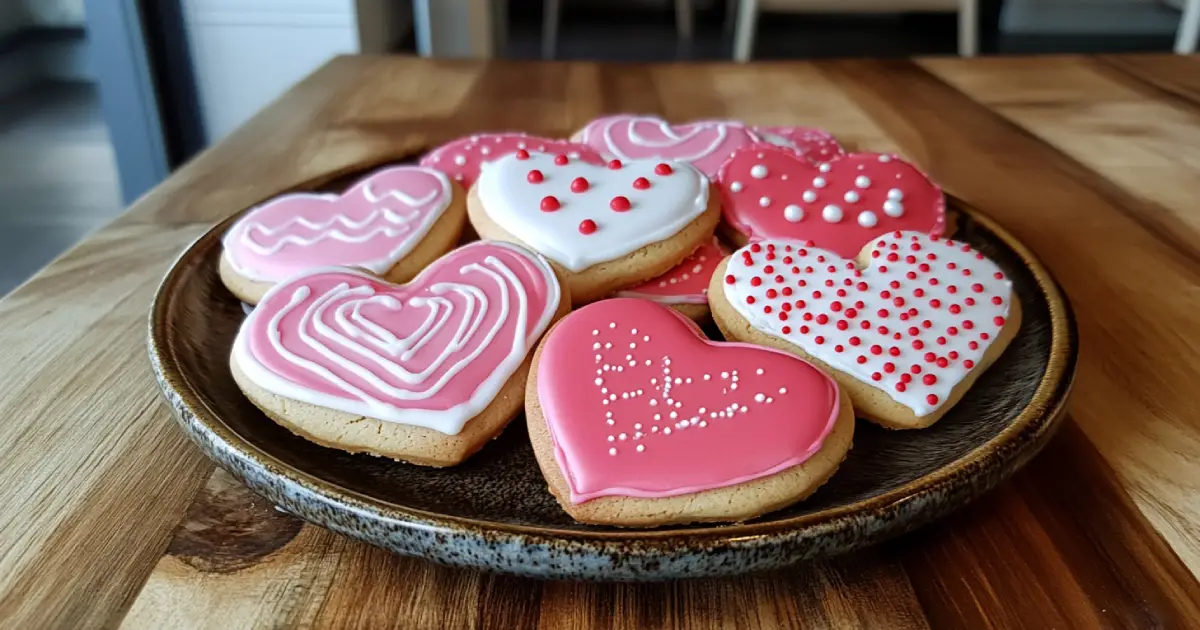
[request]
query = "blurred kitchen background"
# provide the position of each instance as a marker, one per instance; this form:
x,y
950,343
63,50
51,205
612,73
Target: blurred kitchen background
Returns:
x,y
101,99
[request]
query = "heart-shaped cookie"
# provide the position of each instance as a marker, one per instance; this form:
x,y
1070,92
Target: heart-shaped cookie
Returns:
x,y
462,159
815,144
704,144
578,214
914,322
640,404
372,225
771,193
431,353
685,284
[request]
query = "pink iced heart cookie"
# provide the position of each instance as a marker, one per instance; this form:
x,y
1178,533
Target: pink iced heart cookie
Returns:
x,y
334,348
686,286
374,225
907,328
815,144
703,144
462,159
771,193
636,418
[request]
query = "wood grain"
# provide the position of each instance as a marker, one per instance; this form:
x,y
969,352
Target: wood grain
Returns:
x,y
1090,161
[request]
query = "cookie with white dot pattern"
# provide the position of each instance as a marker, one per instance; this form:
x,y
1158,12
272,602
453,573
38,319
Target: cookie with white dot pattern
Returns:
x,y
639,420
605,228
841,205
906,328
464,158
684,288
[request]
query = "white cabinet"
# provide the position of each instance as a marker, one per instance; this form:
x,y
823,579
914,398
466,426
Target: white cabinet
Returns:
x,y
245,53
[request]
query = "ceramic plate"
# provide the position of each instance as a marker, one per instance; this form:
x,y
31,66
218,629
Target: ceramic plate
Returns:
x,y
494,511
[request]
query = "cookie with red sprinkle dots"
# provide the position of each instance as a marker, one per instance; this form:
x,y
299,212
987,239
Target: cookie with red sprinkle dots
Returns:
x,y
906,327
604,227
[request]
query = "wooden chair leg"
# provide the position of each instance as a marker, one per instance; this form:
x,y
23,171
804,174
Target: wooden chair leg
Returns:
x,y
1189,28
968,28
685,20
743,36
550,11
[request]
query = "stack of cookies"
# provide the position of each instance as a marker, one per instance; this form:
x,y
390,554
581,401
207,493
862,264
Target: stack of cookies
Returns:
x,y
376,330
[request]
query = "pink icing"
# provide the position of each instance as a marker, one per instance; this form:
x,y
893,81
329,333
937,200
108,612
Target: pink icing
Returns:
x,y
431,353
602,379
462,159
771,193
372,225
687,283
815,144
705,144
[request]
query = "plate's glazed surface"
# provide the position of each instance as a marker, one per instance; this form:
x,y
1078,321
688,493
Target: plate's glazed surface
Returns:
x,y
494,511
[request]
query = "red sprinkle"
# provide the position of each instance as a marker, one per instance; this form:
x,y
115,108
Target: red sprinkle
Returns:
x,y
819,339
749,299
804,329
822,318
641,183
787,330
854,341
839,348
968,324
787,291
550,204
614,164
579,184
942,362
755,281
898,301
929,379
997,300
619,203
906,378
968,364
771,293
843,324
956,309
915,369
756,248
889,367
561,160
861,359
876,349
535,177
900,387
729,279
997,320
835,306
663,169
587,226
953,355
876,376
931,399
894,351
522,154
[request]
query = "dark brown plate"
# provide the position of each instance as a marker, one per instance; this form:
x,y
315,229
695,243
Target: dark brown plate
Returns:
x,y
494,511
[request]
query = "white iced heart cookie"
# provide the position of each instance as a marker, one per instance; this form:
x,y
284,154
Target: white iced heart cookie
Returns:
x,y
578,214
911,325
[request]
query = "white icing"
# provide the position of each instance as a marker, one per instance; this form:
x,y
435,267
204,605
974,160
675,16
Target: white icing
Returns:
x,y
764,201
460,160
941,319
851,196
809,196
818,182
371,344
736,187
758,171
666,207
893,208
825,168
793,213
896,194
832,213
862,181
867,219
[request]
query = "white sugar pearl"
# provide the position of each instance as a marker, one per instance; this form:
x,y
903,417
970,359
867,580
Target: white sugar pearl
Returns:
x,y
867,219
612,451
893,208
759,371
793,213
759,398
641,447
825,168
809,196
832,213
782,390
818,182
896,194
862,181
851,196
764,201
759,171
736,187
885,158
460,160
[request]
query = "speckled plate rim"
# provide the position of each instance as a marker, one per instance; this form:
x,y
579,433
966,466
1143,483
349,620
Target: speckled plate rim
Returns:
x,y
863,522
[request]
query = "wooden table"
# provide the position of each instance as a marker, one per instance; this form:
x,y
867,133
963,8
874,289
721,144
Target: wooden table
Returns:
x,y
111,517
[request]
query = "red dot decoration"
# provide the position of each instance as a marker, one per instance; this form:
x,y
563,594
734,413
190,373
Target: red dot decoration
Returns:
x,y
579,185
550,203
663,169
587,226
535,177
641,183
620,203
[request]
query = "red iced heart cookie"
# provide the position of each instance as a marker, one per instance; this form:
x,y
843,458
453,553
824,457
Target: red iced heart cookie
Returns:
x,y
914,323
703,144
640,404
841,205
372,225
462,159
815,144
686,283
431,353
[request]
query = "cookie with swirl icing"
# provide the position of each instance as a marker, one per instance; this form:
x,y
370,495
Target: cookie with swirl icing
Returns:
x,y
425,372
391,223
